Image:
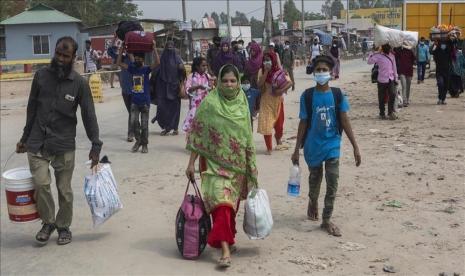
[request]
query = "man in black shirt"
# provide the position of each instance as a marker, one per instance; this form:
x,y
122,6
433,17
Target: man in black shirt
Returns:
x,y
49,136
441,52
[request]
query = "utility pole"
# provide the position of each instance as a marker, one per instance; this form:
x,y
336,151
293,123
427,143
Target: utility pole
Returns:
x,y
186,35
347,27
404,15
268,22
440,12
229,19
303,23
281,18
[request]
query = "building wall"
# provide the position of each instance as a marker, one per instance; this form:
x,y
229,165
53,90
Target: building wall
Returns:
x,y
390,17
422,16
19,44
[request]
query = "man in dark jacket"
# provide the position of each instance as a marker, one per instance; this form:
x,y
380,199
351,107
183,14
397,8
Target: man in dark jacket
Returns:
x,y
441,52
49,136
213,52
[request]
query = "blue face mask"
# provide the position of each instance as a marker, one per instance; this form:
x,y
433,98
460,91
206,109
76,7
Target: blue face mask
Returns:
x,y
322,78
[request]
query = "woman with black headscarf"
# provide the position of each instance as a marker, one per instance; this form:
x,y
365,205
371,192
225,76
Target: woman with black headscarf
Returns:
x,y
171,74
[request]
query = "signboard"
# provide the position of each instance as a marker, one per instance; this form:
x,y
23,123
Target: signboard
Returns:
x,y
185,26
282,26
383,16
101,45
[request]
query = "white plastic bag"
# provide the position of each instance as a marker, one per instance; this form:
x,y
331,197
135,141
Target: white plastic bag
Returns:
x,y
393,37
399,101
101,192
258,221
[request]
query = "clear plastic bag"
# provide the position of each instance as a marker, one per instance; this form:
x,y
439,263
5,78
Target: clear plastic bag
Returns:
x,y
101,192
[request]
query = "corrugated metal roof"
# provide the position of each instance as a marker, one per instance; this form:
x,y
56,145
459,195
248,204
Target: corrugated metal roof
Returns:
x,y
39,14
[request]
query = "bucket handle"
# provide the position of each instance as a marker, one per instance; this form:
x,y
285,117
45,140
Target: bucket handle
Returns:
x,y
8,160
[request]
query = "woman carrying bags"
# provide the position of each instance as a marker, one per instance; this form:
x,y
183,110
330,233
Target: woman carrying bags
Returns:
x,y
271,102
222,136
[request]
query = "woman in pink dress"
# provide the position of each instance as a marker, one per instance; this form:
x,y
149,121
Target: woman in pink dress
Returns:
x,y
197,86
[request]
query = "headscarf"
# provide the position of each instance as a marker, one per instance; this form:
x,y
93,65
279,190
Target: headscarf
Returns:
x,y
169,62
255,62
274,66
222,133
224,58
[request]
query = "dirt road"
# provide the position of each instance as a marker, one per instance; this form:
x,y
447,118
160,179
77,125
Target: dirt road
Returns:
x,y
416,163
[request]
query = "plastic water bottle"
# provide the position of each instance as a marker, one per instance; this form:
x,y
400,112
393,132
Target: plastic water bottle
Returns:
x,y
293,185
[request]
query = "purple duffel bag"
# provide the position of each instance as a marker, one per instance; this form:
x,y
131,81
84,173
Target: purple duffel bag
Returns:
x,y
192,224
279,79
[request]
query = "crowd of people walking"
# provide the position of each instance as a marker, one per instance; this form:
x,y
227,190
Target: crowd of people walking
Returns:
x,y
226,89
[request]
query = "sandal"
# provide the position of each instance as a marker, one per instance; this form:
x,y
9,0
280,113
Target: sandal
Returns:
x,y
64,236
164,132
224,262
43,235
232,249
174,133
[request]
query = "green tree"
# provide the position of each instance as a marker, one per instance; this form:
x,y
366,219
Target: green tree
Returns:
x,y
116,10
356,16
336,8
240,19
94,12
9,8
223,18
291,13
326,9
257,27
314,16
216,18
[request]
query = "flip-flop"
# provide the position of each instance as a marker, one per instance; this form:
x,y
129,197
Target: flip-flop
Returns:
x,y
224,262
282,147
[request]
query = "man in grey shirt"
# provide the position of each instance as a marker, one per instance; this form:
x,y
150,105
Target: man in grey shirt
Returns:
x,y
49,136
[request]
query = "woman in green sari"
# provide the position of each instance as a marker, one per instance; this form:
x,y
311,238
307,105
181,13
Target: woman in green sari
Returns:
x,y
222,136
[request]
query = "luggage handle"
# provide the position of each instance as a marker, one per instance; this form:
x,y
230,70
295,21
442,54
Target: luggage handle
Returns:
x,y
196,189
7,161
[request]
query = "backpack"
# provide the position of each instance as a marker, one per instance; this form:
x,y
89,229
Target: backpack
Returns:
x,y
337,96
192,224
374,73
127,26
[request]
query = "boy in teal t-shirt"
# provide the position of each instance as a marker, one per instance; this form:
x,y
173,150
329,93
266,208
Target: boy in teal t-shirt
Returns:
x,y
323,117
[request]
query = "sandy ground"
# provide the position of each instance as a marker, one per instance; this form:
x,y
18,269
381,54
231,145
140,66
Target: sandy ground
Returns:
x,y
417,161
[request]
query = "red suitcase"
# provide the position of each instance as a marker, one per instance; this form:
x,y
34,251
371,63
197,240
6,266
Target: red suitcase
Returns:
x,y
139,42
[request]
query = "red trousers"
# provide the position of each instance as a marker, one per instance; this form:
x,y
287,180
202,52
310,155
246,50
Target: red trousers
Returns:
x,y
224,220
278,129
224,226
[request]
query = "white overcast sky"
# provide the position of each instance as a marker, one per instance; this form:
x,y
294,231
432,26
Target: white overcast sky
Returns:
x,y
195,9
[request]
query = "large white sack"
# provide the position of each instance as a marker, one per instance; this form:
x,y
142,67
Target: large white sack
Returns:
x,y
393,37
258,221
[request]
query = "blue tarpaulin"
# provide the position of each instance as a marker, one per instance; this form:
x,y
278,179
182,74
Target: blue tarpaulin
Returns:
x,y
325,38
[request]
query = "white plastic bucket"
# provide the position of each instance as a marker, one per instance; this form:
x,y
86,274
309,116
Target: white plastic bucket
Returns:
x,y
19,190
